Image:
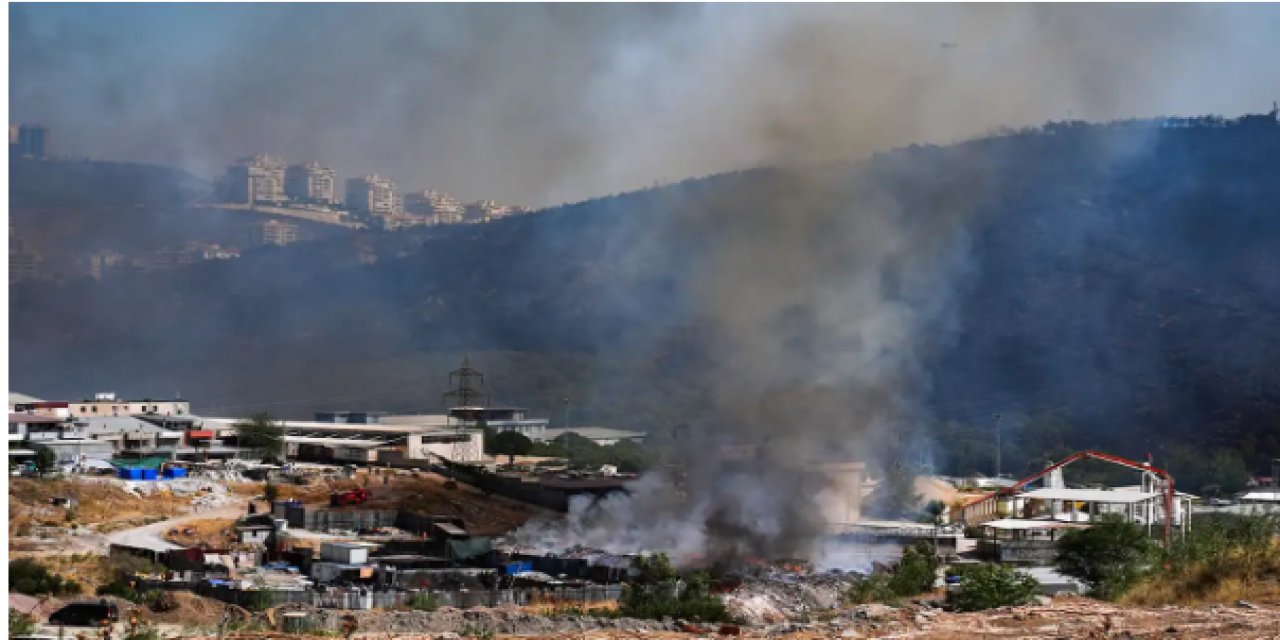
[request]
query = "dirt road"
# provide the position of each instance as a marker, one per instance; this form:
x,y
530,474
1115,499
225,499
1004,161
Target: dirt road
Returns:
x,y
152,536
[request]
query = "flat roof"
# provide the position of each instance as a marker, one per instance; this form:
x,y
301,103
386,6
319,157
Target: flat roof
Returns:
x,y
593,433
1264,496
1089,495
1009,524
312,425
450,529
338,442
29,418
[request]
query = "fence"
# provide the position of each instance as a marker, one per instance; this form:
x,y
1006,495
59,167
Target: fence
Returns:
x,y
322,519
369,599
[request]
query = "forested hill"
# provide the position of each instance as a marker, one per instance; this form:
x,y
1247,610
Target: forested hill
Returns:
x,y
1117,286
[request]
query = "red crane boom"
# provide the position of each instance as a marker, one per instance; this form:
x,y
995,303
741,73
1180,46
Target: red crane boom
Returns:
x,y
1105,457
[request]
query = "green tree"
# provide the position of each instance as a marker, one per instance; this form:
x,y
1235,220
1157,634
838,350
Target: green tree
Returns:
x,y
46,460
511,444
32,578
913,574
916,571
987,586
20,624
1108,557
261,433
657,591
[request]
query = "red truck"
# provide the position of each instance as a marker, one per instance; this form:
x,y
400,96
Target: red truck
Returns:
x,y
350,497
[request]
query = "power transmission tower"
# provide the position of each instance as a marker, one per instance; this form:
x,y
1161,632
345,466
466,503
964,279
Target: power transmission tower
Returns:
x,y
466,386
465,400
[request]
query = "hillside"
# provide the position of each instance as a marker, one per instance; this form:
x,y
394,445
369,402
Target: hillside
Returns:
x,y
1099,285
67,210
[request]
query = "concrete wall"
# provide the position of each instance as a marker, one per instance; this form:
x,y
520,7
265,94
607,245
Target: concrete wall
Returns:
x,y
841,502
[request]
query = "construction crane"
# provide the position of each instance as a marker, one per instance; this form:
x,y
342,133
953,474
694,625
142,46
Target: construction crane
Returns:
x,y
1166,488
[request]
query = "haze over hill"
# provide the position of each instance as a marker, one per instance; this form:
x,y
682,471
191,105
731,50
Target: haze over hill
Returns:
x,y
1121,276
541,104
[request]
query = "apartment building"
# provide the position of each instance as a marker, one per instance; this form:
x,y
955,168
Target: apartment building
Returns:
x,y
254,179
372,195
310,182
275,232
435,207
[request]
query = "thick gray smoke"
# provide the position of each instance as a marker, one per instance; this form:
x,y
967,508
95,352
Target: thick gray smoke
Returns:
x,y
538,104
821,305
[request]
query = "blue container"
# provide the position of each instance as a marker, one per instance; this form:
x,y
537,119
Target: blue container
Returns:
x,y
175,472
148,474
512,568
130,473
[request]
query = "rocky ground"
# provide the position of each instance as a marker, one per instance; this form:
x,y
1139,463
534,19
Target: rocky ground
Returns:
x,y
1066,618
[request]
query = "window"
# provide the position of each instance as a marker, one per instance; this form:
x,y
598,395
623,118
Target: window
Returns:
x,y
95,408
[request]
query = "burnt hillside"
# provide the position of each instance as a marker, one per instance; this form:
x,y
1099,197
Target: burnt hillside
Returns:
x,y
1119,279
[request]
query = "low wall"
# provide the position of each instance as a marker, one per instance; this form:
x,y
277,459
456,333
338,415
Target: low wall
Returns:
x,y
367,599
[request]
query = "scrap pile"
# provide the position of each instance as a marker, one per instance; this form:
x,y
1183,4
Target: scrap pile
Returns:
x,y
777,595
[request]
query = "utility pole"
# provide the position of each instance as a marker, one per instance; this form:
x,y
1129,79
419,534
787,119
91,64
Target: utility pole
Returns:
x,y
999,448
565,400
1275,478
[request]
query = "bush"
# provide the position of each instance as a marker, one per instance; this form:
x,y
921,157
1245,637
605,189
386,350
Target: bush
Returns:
x,y
424,601
1222,558
916,571
20,624
912,575
988,586
1108,557
658,592
32,578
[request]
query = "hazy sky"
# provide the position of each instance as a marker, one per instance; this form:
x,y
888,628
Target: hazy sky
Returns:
x,y
536,104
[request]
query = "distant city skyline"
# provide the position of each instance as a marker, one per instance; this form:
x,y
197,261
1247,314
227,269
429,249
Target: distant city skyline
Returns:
x,y
537,105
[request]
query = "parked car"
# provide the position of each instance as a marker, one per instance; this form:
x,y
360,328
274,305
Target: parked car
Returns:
x,y
85,614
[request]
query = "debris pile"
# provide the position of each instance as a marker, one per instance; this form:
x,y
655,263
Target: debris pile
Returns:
x,y
777,596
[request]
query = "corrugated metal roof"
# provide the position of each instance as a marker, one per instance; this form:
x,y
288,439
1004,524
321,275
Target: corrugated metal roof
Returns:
x,y
22,398
1089,495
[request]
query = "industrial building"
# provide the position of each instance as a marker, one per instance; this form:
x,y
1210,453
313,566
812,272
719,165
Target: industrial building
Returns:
x,y
1021,523
404,440
107,404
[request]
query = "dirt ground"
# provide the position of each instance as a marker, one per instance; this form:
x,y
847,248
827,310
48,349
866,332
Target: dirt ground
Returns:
x,y
213,533
425,493
101,504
